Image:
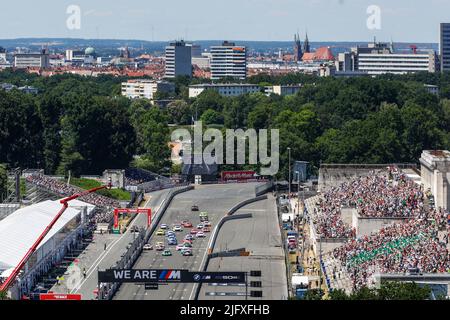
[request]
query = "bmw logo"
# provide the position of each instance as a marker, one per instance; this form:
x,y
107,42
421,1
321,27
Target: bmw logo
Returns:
x,y
197,277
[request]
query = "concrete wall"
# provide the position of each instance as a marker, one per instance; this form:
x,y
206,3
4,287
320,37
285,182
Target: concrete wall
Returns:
x,y
366,226
117,178
325,245
435,174
333,175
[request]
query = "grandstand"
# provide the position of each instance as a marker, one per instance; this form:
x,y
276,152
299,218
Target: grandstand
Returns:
x,y
412,235
143,180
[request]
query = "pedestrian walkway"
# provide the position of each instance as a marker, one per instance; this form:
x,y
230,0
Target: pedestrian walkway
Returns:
x,y
74,274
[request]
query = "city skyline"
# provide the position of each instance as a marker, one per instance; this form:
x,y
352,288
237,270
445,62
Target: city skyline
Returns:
x,y
257,20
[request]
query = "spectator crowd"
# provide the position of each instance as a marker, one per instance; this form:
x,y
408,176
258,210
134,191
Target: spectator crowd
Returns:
x,y
385,193
65,190
414,244
399,248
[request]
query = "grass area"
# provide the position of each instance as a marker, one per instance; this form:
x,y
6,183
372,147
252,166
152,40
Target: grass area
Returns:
x,y
87,184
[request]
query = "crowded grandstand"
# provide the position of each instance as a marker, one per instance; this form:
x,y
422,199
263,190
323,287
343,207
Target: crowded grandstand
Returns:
x,y
418,240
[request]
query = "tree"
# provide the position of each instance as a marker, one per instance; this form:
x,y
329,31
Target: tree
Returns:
x,y
179,112
211,116
338,294
20,130
314,294
154,137
3,182
403,291
97,136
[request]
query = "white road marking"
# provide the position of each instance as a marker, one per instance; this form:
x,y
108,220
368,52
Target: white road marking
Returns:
x,y
102,256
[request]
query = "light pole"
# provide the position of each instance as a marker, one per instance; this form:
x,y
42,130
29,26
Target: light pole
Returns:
x,y
289,151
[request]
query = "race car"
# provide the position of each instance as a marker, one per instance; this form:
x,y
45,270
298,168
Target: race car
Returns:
x,y
160,232
167,253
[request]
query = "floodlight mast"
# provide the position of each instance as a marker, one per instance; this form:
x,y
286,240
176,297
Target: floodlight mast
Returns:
x,y
12,277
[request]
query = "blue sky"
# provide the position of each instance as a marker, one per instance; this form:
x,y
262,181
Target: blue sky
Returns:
x,y
325,20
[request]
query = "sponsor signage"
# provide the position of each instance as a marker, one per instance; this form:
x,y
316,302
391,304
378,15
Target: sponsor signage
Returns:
x,y
168,276
151,286
238,175
59,296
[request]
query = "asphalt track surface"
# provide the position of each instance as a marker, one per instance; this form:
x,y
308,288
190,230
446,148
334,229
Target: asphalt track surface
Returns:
x,y
95,257
261,236
217,200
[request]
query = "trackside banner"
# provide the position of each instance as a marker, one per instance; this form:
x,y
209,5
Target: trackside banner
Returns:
x,y
168,276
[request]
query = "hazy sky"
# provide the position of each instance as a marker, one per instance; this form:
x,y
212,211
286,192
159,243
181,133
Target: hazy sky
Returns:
x,y
325,20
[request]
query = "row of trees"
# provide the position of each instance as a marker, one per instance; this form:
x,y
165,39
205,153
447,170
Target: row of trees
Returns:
x,y
387,291
84,125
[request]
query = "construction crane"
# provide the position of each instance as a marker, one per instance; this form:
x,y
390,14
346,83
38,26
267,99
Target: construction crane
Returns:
x,y
65,202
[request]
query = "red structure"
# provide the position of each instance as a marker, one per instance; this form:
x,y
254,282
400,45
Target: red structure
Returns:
x,y
117,211
65,202
58,296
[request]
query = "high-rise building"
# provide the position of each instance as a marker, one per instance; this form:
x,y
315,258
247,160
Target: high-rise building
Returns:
x,y
228,60
444,47
298,52
32,60
196,50
178,60
378,58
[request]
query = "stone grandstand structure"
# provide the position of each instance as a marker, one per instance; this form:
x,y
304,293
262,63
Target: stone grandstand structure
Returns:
x,y
375,220
333,175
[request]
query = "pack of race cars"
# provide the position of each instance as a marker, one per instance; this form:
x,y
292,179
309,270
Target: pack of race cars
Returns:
x,y
170,233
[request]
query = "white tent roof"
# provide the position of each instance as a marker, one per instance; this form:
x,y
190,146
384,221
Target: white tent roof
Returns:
x,y
21,229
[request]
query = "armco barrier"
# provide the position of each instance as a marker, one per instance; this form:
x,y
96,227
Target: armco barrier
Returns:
x,y
244,203
166,202
260,190
213,239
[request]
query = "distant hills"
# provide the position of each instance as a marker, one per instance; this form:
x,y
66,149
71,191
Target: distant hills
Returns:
x,y
111,46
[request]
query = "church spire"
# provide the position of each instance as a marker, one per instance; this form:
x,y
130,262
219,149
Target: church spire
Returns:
x,y
306,45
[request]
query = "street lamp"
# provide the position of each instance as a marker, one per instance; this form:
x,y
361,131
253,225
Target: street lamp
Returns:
x,y
289,151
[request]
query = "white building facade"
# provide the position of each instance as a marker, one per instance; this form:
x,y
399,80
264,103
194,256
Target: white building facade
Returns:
x,y
145,89
228,60
226,90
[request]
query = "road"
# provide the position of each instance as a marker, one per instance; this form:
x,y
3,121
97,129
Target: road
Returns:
x,y
217,200
261,236
96,257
